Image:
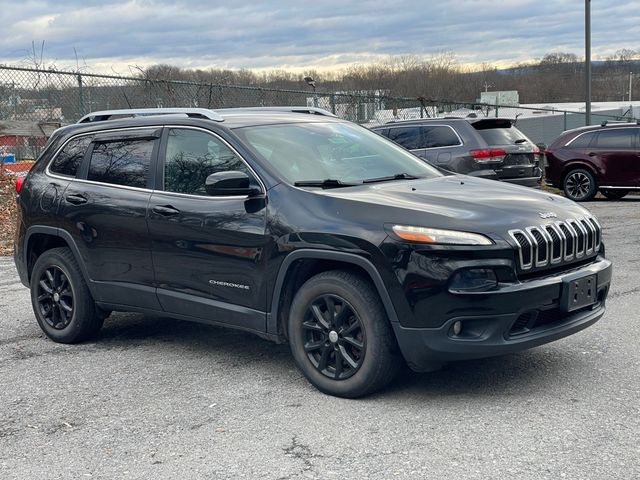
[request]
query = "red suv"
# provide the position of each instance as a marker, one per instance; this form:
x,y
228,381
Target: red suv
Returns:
x,y
603,158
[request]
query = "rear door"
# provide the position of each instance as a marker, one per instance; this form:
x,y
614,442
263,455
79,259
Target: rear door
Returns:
x,y
207,250
104,210
618,155
521,160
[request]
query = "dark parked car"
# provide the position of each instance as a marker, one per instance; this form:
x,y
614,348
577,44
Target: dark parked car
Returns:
x,y
603,158
488,147
301,228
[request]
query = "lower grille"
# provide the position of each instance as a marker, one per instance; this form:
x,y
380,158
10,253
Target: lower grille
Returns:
x,y
538,318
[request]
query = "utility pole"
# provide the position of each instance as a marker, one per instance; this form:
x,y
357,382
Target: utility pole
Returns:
x,y
630,85
587,60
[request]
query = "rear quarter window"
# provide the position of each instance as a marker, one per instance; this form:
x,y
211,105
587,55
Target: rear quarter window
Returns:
x,y
581,141
440,136
70,157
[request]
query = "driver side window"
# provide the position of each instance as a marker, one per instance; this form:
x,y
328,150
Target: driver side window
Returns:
x,y
193,155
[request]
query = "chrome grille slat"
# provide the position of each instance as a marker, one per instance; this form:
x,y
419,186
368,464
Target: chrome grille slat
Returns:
x,y
556,242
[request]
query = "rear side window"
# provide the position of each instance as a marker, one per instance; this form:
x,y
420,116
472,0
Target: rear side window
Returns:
x,y
582,141
408,137
615,139
121,162
192,156
500,135
440,136
70,157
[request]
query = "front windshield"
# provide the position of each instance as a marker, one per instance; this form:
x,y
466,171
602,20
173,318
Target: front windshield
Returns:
x,y
339,151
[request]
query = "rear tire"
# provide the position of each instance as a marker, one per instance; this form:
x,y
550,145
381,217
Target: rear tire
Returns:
x,y
614,194
579,185
61,300
340,336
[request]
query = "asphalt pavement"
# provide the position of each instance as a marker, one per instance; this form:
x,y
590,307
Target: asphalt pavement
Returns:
x,y
160,398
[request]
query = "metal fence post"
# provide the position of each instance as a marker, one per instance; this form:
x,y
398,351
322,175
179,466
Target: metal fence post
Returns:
x,y
496,111
80,95
332,102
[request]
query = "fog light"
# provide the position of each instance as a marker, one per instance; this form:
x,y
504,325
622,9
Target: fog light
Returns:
x,y
473,280
457,328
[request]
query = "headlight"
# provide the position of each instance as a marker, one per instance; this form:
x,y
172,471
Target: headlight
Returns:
x,y
437,236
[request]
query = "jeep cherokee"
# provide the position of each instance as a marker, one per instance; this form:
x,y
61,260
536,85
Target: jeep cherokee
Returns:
x,y
300,227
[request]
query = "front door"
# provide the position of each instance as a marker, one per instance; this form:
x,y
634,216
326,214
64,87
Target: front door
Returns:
x,y
207,250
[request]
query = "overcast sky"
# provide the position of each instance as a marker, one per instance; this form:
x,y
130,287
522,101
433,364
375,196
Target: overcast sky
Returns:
x,y
300,34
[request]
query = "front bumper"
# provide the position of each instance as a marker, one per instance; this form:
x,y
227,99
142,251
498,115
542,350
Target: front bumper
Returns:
x,y
536,319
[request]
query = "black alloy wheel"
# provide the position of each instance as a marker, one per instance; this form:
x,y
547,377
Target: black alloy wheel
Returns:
x,y
55,297
335,342
340,335
61,300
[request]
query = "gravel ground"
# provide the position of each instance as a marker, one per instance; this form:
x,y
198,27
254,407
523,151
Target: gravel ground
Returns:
x,y
159,398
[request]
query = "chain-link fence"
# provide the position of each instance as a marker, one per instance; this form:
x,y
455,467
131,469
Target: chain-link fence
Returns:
x,y
35,102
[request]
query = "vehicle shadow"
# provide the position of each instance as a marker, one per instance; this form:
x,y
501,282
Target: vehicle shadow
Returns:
x,y
531,370
627,199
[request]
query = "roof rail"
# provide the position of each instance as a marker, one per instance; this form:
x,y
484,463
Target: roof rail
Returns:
x,y
293,109
149,112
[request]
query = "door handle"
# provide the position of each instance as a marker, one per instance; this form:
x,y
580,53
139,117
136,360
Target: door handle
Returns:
x,y
76,199
592,154
165,210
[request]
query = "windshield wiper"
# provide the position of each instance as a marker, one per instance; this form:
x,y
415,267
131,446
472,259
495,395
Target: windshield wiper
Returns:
x,y
520,140
326,183
397,176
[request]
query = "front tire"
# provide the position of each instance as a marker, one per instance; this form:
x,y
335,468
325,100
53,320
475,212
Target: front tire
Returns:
x,y
579,185
61,300
340,336
614,194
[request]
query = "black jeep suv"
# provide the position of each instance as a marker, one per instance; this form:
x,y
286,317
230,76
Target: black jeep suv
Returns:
x,y
300,227
481,147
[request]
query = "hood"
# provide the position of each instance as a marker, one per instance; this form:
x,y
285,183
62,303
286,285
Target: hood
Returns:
x,y
462,202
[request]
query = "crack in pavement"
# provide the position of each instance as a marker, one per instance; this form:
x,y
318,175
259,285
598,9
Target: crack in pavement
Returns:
x,y
300,451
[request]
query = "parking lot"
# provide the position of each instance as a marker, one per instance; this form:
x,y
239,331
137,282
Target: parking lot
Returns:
x,y
159,398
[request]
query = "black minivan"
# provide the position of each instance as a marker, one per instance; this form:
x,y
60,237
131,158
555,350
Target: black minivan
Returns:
x,y
481,147
301,228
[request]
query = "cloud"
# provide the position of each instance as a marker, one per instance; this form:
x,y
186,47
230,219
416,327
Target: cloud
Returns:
x,y
307,34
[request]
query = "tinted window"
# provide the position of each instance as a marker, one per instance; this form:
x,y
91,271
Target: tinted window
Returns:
x,y
440,136
615,139
582,141
408,137
192,156
506,135
122,162
70,157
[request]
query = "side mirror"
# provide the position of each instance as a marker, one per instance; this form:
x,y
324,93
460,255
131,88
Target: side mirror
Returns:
x,y
229,183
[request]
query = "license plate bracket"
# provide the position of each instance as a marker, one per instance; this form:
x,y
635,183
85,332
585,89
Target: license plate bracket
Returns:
x,y
578,293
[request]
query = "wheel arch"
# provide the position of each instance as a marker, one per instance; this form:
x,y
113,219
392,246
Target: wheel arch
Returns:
x,y
301,265
575,165
40,238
